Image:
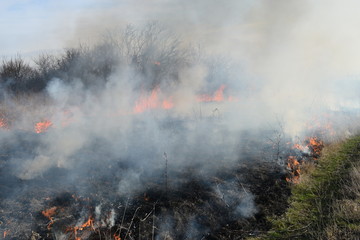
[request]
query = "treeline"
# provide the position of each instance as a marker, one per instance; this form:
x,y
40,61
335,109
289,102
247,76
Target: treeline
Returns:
x,y
152,52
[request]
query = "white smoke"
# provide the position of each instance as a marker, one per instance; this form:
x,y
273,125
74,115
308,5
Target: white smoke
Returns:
x,y
290,60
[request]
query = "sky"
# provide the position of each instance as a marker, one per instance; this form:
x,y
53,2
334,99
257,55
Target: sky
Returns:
x,y
30,26
41,25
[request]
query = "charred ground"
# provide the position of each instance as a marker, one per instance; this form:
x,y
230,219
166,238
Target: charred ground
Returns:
x,y
196,206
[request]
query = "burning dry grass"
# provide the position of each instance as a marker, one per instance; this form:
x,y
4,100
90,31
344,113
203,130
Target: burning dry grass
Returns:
x,y
216,208
49,213
42,126
325,204
230,203
311,149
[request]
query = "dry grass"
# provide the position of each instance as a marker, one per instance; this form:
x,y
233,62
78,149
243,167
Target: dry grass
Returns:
x,y
326,203
346,219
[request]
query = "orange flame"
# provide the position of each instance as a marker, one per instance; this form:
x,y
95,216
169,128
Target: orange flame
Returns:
x,y
147,102
49,213
116,237
42,126
316,145
218,96
167,104
88,224
298,146
2,123
294,167
6,232
152,102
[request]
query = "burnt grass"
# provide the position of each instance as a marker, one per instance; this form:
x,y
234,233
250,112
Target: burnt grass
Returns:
x,y
188,206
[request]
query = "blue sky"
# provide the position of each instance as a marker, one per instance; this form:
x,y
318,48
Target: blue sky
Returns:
x,y
31,25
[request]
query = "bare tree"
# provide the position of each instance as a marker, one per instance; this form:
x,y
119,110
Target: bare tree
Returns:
x,y
18,76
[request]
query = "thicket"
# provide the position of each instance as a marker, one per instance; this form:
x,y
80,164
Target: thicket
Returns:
x,y
153,53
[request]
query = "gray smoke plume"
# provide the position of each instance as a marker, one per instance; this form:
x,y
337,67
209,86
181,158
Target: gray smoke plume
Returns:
x,y
211,84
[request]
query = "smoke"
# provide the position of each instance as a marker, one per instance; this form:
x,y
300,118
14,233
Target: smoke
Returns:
x,y
107,120
303,50
241,203
141,91
293,57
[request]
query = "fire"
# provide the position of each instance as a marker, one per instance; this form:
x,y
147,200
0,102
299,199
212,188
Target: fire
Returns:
x,y
152,102
316,146
88,224
2,123
147,102
49,213
116,237
42,126
298,146
6,232
218,96
294,167
167,104
312,146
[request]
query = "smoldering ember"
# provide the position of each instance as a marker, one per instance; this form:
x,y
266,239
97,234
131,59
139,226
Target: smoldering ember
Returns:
x,y
168,130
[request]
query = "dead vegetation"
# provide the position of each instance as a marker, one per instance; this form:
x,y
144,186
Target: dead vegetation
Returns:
x,y
346,209
234,202
324,205
231,204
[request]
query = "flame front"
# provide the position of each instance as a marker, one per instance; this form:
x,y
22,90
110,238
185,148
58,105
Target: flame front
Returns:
x,y
2,123
218,96
312,146
42,126
294,167
167,104
152,102
6,232
88,224
316,146
49,213
298,146
145,103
